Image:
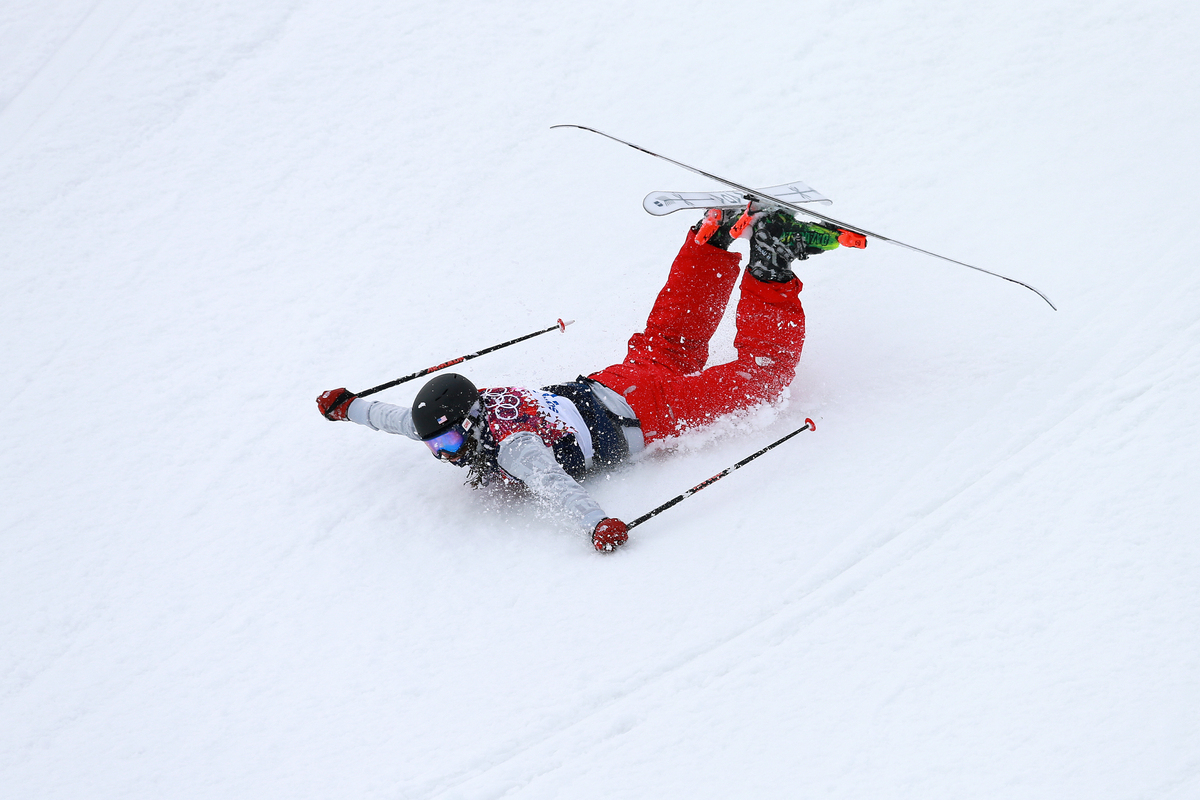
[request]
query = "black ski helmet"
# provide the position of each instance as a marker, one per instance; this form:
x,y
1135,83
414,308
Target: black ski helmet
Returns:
x,y
442,403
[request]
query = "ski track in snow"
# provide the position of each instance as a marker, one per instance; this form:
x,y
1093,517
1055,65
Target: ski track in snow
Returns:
x,y
517,768
48,84
977,578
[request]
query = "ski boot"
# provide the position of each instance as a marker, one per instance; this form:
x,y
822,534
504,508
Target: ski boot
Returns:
x,y
717,227
778,238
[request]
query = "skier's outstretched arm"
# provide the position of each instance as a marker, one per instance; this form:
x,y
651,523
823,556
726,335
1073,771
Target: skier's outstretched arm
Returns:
x,y
383,417
342,404
526,457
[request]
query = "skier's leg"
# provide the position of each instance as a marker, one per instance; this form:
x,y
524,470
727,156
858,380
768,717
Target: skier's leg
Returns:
x,y
769,341
688,309
675,342
770,338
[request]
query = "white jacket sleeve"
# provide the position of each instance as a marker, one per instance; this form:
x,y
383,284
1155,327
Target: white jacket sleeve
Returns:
x,y
525,457
383,417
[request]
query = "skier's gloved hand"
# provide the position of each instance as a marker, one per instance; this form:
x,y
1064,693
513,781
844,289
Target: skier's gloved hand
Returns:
x,y
610,534
335,403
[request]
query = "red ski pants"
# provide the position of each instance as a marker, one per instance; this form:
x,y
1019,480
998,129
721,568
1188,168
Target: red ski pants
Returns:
x,y
663,377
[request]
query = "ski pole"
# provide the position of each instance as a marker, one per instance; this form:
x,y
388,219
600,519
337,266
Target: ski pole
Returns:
x,y
809,425
560,326
755,194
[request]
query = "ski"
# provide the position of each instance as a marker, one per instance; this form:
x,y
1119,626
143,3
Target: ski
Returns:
x,y
662,203
766,198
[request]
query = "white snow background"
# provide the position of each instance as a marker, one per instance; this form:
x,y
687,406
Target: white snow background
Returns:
x,y
976,579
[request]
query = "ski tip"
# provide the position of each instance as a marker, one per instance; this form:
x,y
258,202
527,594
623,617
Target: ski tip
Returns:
x,y
812,426
562,324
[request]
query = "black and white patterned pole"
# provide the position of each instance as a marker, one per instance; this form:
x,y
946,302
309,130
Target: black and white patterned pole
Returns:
x,y
561,325
809,425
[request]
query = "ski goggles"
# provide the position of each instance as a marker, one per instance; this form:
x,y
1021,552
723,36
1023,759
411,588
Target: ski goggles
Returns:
x,y
446,445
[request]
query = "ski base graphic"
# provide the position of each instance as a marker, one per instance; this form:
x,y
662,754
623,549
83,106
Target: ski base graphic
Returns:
x,y
663,203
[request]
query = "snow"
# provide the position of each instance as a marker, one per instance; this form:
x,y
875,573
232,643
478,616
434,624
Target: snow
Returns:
x,y
977,578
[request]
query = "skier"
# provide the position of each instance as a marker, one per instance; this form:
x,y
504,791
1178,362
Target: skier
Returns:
x,y
549,438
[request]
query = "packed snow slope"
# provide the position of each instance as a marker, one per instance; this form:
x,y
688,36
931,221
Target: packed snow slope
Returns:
x,y
977,578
